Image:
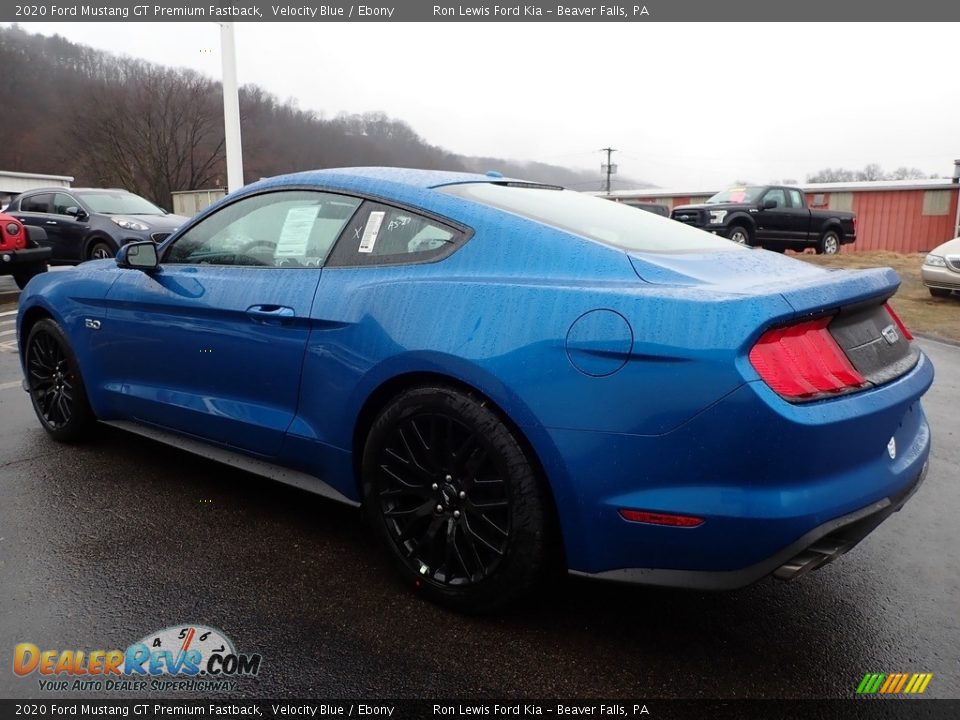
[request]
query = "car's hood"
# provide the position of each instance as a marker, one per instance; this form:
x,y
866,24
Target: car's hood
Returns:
x,y
709,206
806,287
167,223
951,247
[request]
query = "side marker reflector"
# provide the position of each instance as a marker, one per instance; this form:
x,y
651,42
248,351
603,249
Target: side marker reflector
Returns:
x,y
654,518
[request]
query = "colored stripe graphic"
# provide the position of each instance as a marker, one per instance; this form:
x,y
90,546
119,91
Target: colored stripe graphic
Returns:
x,y
891,681
903,681
894,683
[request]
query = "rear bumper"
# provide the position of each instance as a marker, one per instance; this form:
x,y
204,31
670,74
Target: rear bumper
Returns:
x,y
12,259
818,547
770,480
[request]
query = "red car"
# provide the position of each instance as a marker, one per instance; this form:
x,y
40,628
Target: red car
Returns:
x,y
20,254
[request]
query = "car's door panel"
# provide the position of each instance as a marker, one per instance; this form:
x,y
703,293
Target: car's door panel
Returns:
x,y
212,343
196,360
70,231
774,223
34,210
64,233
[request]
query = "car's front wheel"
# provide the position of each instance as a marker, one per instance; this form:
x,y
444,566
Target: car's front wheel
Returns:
x,y
53,380
454,496
740,235
939,292
101,250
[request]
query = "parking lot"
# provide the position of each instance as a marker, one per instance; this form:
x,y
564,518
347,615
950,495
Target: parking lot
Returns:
x,y
103,543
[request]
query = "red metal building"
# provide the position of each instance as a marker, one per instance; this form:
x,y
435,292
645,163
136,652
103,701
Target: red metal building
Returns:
x,y
898,215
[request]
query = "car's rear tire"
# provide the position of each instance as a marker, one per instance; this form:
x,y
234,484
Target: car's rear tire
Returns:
x,y
56,388
23,276
829,243
741,235
940,292
453,495
101,250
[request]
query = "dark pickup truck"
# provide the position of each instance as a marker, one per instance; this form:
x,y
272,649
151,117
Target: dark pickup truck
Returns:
x,y
773,217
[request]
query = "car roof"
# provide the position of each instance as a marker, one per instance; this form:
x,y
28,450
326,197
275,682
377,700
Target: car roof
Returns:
x,y
404,185
74,189
404,176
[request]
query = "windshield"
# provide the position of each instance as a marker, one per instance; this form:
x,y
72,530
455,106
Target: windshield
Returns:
x,y
737,195
119,203
591,217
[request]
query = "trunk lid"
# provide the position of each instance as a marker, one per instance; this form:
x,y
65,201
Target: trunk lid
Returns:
x,y
869,336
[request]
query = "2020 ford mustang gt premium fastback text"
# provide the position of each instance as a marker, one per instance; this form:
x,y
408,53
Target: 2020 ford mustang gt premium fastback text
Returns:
x,y
506,375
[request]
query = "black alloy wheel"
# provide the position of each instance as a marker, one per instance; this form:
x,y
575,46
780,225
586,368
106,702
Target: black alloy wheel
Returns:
x,y
53,379
454,496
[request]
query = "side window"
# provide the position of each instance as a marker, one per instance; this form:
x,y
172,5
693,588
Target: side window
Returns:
x,y
796,199
42,203
777,196
61,201
288,228
384,235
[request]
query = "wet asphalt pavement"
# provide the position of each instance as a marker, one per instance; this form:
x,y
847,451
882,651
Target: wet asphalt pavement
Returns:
x,y
103,543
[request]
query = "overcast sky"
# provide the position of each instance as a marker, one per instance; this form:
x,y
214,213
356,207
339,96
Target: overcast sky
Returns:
x,y
687,105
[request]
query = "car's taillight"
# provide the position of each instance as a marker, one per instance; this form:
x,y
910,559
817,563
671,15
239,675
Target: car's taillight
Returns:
x,y
908,336
803,361
12,235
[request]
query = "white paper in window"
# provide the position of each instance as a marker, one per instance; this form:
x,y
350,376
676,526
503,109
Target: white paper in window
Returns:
x,y
296,231
371,231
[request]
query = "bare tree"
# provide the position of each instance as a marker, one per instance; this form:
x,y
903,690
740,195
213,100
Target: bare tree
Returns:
x,y
871,172
113,121
154,132
832,175
905,173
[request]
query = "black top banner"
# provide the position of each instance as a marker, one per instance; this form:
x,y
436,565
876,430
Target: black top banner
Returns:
x,y
481,11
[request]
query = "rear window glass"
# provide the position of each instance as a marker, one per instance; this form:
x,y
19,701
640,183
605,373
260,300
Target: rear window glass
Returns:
x,y
591,217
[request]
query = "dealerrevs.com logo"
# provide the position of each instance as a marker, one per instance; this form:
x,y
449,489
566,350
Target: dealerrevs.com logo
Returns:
x,y
187,658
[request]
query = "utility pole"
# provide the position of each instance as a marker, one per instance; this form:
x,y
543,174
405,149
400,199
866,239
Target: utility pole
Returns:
x,y
231,108
608,167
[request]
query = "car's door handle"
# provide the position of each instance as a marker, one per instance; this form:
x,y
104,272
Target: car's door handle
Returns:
x,y
51,222
271,314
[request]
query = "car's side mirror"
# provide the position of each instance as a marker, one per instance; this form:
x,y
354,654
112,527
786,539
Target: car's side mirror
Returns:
x,y
138,256
74,211
769,204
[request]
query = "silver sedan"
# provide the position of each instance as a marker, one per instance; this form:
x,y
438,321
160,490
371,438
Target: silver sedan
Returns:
x,y
941,268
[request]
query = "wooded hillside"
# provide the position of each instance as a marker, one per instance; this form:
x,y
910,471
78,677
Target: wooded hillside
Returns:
x,y
120,122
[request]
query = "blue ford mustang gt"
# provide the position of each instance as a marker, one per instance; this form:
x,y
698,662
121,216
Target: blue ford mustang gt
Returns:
x,y
507,376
